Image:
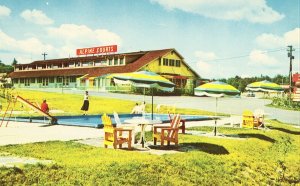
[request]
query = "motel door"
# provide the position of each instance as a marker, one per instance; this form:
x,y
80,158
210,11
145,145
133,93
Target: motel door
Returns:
x,y
66,81
45,82
27,82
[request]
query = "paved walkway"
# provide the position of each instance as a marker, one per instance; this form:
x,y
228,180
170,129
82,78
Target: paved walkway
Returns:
x,y
22,132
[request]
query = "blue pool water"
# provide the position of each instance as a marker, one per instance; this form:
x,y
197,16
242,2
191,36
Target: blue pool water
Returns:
x,y
95,120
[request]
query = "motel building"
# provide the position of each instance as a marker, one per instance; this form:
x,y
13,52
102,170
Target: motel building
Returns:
x,y
89,72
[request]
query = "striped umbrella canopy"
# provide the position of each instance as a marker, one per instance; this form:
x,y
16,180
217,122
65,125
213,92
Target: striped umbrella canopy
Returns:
x,y
144,79
264,86
216,89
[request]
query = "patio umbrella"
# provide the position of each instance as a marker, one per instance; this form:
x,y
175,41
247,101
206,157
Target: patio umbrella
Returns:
x,y
264,86
216,89
144,79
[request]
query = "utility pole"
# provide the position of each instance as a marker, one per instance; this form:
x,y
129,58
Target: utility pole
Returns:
x,y
44,54
290,50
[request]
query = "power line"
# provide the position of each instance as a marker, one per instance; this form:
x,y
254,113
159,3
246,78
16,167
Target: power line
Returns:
x,y
246,55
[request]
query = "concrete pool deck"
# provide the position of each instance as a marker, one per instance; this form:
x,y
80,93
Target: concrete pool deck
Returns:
x,y
23,132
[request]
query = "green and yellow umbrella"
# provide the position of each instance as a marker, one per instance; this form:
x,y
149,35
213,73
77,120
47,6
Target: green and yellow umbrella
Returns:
x,y
216,89
144,79
264,86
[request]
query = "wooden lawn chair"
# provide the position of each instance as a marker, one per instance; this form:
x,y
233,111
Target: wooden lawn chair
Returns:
x,y
249,120
181,126
113,135
167,133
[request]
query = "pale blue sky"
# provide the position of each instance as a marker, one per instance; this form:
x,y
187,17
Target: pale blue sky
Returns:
x,y
210,35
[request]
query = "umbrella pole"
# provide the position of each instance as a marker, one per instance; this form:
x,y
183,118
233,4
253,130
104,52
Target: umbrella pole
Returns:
x,y
215,128
144,93
152,104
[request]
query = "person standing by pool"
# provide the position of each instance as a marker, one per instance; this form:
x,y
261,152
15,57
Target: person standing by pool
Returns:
x,y
136,109
85,106
143,107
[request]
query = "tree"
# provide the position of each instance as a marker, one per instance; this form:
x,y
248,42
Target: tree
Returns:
x,y
14,62
5,68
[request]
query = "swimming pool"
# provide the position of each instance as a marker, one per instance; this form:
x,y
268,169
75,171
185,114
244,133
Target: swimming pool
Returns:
x,y
95,120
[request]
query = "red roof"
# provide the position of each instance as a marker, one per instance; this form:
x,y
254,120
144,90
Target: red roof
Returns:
x,y
136,61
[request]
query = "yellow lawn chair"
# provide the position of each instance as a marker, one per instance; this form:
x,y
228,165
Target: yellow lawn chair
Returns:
x,y
249,121
114,136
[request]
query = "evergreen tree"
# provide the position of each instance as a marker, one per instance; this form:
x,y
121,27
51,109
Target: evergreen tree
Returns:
x,y
14,62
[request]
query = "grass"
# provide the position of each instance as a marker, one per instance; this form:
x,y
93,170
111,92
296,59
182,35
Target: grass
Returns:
x,y
254,157
70,104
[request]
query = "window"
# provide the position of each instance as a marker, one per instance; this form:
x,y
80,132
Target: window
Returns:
x,y
103,61
73,79
27,82
165,62
115,61
97,63
90,63
172,62
22,80
59,79
159,62
16,80
39,80
177,63
32,80
121,61
110,62
51,80
85,64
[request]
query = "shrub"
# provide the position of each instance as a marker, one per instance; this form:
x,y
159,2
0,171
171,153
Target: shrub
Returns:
x,y
285,102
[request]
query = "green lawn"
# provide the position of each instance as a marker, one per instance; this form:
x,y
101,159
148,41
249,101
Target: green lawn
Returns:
x,y
250,157
70,104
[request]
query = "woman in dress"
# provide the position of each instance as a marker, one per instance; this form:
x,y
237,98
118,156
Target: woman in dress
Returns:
x,y
85,106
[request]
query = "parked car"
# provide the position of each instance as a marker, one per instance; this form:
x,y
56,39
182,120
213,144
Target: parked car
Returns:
x,y
250,94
